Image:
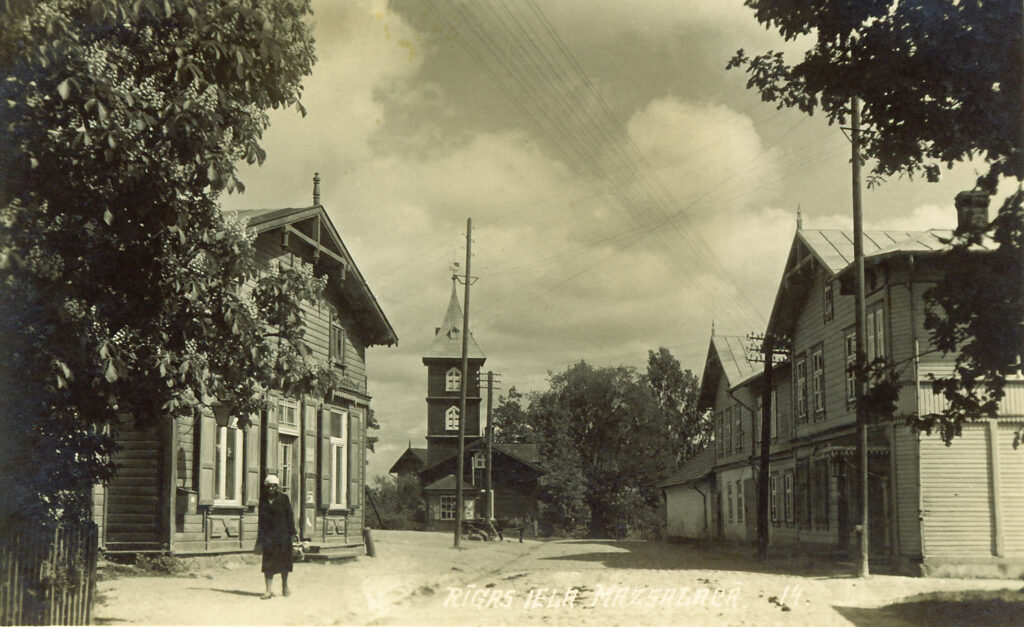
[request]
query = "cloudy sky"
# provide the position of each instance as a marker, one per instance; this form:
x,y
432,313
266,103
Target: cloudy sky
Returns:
x,y
625,189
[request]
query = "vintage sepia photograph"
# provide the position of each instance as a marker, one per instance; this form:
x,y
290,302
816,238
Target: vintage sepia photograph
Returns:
x,y
512,312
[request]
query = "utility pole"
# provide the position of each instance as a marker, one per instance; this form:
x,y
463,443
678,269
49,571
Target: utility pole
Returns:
x,y
464,382
490,441
770,348
861,334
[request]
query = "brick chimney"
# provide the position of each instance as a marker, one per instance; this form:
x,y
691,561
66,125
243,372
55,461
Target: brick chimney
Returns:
x,y
316,189
971,210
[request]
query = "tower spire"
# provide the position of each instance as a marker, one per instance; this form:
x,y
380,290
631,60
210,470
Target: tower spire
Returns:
x,y
799,218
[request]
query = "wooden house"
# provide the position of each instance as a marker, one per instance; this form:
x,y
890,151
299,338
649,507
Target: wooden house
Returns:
x,y
515,468
192,484
930,505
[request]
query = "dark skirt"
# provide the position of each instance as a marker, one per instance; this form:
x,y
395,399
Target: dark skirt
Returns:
x,y
277,558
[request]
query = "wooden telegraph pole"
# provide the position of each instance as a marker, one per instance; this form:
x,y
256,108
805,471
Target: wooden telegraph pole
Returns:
x,y
490,441
861,334
460,462
769,348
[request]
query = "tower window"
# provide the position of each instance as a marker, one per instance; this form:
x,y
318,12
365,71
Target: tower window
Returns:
x,y
453,380
451,419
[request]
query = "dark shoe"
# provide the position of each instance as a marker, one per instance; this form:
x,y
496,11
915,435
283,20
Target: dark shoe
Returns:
x,y
286,592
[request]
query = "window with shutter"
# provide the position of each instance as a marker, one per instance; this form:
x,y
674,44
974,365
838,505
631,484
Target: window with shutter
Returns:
x,y
252,461
787,486
338,432
337,343
818,381
207,429
850,342
355,458
800,389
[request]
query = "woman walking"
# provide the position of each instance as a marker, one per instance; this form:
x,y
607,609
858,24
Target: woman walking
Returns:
x,y
276,531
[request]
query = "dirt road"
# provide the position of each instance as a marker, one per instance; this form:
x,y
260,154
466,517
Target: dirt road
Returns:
x,y
417,578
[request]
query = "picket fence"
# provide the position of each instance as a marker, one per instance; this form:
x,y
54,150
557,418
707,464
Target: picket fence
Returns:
x,y
48,577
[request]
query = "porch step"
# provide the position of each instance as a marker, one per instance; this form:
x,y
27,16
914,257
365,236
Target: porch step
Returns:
x,y
319,553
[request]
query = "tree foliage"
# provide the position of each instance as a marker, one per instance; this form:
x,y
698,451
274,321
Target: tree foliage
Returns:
x,y
607,437
398,501
510,424
125,290
941,81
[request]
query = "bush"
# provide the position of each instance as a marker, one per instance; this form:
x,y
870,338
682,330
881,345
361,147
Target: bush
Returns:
x,y
397,503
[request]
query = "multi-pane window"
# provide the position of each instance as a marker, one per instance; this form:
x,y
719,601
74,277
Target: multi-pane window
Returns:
x,y
446,508
719,434
800,391
787,494
453,380
285,452
828,300
451,419
288,415
875,341
338,428
337,346
850,342
739,501
773,496
818,380
737,430
727,443
228,465
729,497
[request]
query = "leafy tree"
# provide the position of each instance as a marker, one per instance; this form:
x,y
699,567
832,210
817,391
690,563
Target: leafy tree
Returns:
x,y
942,81
676,392
602,426
398,501
124,288
510,424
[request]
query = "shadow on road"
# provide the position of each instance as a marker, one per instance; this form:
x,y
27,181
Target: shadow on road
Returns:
x,y
241,593
975,607
629,554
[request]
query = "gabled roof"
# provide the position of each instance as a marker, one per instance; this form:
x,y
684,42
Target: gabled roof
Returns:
x,y
832,251
416,455
728,356
696,468
448,337
526,454
262,220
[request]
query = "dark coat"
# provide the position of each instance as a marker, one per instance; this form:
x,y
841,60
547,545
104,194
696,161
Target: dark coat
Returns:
x,y
276,530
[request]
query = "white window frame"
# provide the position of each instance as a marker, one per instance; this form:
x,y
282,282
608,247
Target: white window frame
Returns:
x,y
339,459
221,475
739,500
801,386
453,380
728,487
773,495
787,487
446,505
285,467
875,344
451,419
818,379
283,405
337,342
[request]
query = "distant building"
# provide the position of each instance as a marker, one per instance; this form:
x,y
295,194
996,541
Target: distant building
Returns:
x,y
930,505
192,484
515,468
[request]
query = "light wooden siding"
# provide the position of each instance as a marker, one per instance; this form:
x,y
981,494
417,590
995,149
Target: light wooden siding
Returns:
x,y
1011,475
317,317
1012,404
811,330
956,495
907,490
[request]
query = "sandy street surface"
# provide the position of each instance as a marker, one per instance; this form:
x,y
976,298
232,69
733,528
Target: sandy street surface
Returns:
x,y
418,578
